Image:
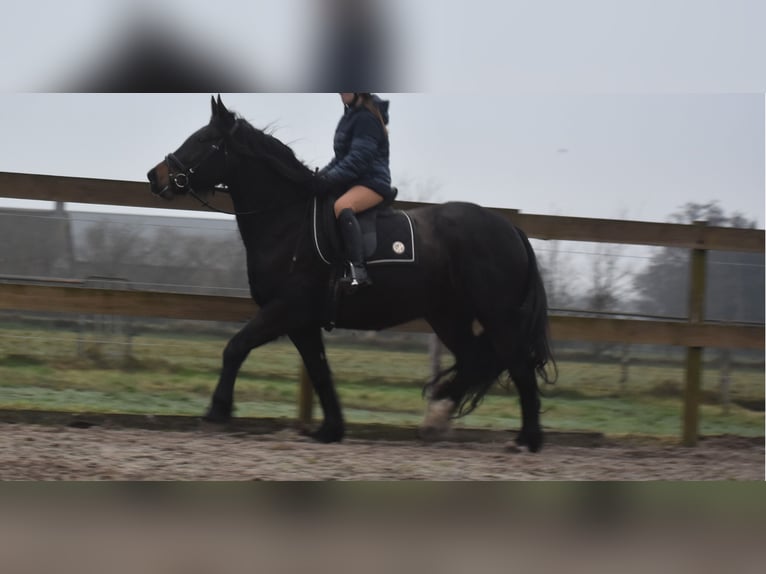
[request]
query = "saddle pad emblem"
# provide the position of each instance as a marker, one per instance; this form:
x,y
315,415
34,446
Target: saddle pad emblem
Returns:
x,y
398,247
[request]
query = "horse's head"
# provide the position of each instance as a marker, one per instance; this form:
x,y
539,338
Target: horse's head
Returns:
x,y
200,163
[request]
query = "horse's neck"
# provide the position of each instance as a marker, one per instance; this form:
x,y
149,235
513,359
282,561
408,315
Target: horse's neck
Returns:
x,y
271,222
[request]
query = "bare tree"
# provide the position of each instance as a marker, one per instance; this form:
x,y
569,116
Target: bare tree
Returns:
x,y
735,282
610,283
108,248
558,274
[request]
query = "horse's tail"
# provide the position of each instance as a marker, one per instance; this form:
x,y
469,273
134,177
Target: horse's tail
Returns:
x,y
535,328
479,365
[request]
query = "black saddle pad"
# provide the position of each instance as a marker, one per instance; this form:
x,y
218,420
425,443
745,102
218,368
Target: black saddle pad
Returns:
x,y
389,236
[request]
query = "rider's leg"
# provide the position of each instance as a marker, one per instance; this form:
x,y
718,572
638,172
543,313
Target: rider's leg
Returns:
x,y
359,198
355,200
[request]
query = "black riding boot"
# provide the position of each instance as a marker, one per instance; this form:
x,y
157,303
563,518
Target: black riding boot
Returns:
x,y
352,239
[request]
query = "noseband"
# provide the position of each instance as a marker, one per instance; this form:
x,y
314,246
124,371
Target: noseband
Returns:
x,y
182,175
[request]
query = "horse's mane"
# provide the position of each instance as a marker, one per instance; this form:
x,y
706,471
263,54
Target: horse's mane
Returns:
x,y
265,147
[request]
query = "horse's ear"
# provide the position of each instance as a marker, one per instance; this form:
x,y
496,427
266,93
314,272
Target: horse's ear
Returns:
x,y
221,108
224,117
217,107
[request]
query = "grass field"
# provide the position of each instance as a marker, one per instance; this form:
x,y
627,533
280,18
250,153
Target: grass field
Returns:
x,y
176,373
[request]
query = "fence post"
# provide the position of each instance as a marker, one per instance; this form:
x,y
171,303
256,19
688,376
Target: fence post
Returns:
x,y
693,386
305,399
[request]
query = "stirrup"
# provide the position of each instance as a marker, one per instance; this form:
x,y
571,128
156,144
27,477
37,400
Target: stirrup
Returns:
x,y
357,276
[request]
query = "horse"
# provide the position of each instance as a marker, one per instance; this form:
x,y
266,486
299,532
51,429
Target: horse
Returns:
x,y
475,281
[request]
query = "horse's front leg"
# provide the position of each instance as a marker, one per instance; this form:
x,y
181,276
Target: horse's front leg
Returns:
x,y
267,325
309,343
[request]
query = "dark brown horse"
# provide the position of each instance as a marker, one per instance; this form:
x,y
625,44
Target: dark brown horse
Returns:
x,y
473,267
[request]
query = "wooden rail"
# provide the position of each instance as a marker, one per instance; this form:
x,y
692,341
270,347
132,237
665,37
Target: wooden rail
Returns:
x,y
694,334
136,194
79,299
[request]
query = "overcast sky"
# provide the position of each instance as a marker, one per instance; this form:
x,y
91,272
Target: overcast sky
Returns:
x,y
614,156
511,46
593,108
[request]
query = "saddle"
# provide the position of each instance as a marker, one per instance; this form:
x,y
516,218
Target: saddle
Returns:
x,y
388,236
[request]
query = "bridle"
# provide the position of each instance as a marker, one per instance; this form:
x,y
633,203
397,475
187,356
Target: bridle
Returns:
x,y
181,178
180,175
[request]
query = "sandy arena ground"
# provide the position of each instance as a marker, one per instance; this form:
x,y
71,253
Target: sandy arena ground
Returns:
x,y
60,452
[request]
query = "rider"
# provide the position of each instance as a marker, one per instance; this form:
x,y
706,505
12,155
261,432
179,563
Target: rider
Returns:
x,y
361,168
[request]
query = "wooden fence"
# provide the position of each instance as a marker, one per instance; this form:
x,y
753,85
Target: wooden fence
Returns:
x,y
694,333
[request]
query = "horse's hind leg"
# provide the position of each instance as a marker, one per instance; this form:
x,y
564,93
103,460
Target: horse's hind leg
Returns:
x,y
311,348
506,344
476,366
454,331
530,435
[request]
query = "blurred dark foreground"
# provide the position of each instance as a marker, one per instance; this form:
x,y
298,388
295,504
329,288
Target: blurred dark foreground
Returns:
x,y
384,527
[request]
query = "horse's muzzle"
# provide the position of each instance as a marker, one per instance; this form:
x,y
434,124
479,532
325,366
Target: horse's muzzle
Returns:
x,y
157,189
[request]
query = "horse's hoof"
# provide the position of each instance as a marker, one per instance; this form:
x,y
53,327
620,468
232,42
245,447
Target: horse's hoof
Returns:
x,y
218,412
433,433
326,434
533,440
436,424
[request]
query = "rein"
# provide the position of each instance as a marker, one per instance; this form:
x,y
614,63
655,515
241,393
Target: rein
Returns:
x,y
204,202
